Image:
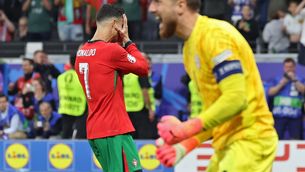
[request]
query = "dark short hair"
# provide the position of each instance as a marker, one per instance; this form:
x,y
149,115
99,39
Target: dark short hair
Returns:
x,y
194,4
108,11
289,60
45,102
31,61
38,51
3,95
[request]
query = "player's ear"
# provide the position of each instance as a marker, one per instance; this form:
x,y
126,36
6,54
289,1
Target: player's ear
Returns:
x,y
181,6
113,24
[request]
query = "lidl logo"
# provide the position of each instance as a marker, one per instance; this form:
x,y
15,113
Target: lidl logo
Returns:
x,y
148,158
61,156
17,156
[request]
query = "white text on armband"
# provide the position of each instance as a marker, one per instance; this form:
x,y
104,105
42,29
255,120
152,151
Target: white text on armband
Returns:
x,y
89,52
227,68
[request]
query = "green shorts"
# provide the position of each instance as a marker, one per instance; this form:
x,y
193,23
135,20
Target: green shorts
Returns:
x,y
117,153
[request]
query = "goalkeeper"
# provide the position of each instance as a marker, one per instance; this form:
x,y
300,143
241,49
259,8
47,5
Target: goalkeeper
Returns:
x,y
235,113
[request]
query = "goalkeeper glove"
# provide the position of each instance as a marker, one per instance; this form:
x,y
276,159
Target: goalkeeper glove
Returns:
x,y
173,131
170,155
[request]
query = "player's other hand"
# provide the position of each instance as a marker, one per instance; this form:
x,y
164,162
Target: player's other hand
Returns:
x,y
170,155
172,130
123,30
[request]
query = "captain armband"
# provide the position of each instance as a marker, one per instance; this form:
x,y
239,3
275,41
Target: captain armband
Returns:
x,y
227,68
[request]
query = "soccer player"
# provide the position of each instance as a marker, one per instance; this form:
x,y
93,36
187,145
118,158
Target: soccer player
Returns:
x,y
235,113
100,65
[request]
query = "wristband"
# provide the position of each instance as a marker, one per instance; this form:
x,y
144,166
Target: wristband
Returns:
x,y
127,44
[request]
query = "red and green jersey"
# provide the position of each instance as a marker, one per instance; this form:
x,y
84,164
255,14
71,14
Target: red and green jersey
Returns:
x,y
100,67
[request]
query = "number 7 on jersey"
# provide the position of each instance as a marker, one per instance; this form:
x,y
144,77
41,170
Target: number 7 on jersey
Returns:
x,y
84,69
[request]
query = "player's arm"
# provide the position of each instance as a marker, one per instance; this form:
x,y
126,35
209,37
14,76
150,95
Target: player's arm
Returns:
x,y
145,86
277,86
229,104
300,7
230,77
130,60
193,142
299,86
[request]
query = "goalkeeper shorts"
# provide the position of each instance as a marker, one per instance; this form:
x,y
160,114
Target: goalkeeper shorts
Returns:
x,y
245,156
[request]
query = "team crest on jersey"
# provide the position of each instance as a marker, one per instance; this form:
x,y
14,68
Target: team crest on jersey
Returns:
x,y
131,58
135,162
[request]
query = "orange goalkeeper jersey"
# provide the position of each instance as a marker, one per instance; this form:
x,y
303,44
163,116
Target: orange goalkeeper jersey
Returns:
x,y
215,56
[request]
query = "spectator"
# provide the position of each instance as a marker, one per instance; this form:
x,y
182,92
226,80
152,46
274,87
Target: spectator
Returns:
x,y
40,95
301,11
156,83
247,26
70,20
274,35
49,123
292,24
262,12
72,104
237,6
149,23
133,11
24,90
45,68
140,106
195,104
22,32
11,120
287,92
150,27
39,16
209,6
7,28
12,8
275,5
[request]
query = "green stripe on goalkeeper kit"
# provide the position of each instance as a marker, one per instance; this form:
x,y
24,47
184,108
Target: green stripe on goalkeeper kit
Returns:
x,y
287,101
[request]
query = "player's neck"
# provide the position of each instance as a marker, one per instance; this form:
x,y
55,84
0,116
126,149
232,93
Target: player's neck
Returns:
x,y
186,25
101,35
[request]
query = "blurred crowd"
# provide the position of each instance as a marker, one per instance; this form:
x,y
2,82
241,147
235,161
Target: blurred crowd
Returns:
x,y
31,108
274,24
67,20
